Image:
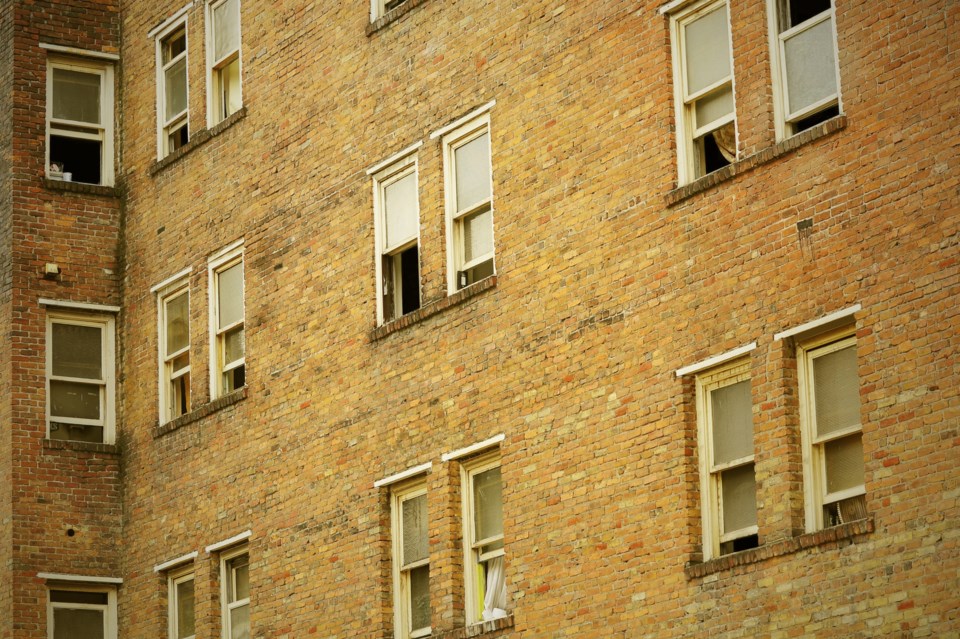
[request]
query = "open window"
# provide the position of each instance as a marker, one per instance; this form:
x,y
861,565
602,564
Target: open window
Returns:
x,y
174,352
379,8
182,616
223,59
82,612
80,121
173,109
485,579
411,560
228,365
397,213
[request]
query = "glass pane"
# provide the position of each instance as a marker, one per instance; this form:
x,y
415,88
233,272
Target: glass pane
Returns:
x,y
732,422
76,432
739,498
77,624
226,30
836,390
77,351
240,623
844,461
240,569
76,96
180,362
233,345
77,596
230,87
400,210
415,538
174,45
707,50
811,69
419,598
488,503
185,609
713,107
472,161
175,88
230,294
178,324
71,399
477,235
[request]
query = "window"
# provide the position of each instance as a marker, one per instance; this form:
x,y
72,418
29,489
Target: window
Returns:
x,y
82,613
181,598
80,388
832,437
727,483
223,59
703,89
805,63
411,560
469,203
380,7
226,315
397,220
173,111
175,353
80,121
235,594
485,579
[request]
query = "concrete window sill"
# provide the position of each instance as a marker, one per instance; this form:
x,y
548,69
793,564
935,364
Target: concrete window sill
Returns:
x,y
80,187
200,412
392,16
485,629
88,447
432,308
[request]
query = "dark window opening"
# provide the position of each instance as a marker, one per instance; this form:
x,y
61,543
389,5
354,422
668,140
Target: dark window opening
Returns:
x,y
409,280
78,597
713,159
178,138
743,543
390,5
803,10
236,378
473,275
76,432
815,119
81,158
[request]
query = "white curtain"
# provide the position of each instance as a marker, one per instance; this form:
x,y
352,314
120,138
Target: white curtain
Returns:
x,y
495,599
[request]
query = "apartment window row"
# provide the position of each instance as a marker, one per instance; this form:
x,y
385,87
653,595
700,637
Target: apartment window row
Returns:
x,y
484,577
806,76
468,189
831,436
227,337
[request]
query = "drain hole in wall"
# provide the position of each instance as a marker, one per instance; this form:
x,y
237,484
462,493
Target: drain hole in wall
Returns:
x,y
71,532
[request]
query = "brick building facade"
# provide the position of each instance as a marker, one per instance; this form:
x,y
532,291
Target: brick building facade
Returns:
x,y
499,319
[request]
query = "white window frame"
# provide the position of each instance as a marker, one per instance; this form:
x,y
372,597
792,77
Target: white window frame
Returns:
x,y
684,104
378,8
226,574
814,466
381,180
711,495
107,325
471,546
165,373
109,609
102,132
783,121
216,110
227,258
163,124
452,140
174,579
402,605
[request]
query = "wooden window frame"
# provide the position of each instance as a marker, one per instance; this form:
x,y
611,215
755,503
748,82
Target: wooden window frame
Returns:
x,y
168,377
227,579
166,126
174,579
216,109
471,546
109,609
402,605
382,179
226,259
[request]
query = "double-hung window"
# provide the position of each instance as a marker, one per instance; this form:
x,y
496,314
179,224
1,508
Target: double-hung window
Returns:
x,y
173,111
235,594
228,347
80,387
379,8
804,44
80,121
182,605
485,579
703,88
469,203
411,560
832,435
727,481
175,352
398,229
223,59
82,613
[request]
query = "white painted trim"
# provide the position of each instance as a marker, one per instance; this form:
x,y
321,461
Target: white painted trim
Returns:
x,y
461,121
55,576
173,563
394,158
218,262
171,280
226,543
817,323
474,448
224,254
405,474
710,362
84,306
166,23
85,53
675,5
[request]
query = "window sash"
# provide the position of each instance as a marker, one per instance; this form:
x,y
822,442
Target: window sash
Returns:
x,y
403,591
474,557
100,383
782,40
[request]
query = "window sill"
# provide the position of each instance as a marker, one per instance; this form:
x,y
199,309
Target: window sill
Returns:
x,y
89,447
433,308
202,137
392,16
751,162
487,629
81,187
199,413
836,535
